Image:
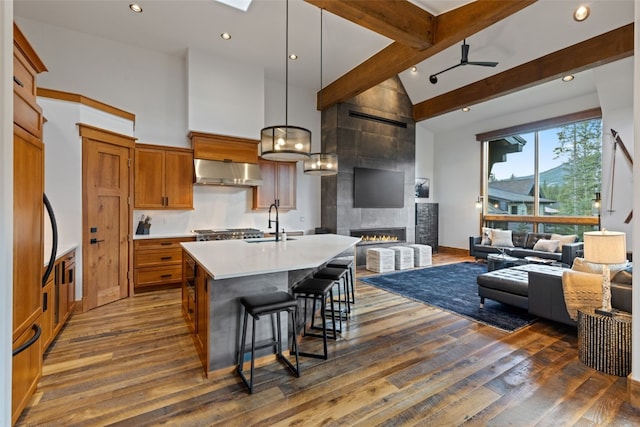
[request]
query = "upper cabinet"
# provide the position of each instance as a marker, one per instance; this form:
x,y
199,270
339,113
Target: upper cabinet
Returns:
x,y
278,183
224,148
163,177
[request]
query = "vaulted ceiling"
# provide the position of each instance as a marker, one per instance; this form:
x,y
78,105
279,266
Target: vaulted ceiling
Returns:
x,y
365,42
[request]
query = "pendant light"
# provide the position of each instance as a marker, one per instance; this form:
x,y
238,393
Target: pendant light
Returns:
x,y
322,164
285,143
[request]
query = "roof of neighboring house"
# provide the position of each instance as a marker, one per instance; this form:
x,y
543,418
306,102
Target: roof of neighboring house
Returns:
x,y
520,189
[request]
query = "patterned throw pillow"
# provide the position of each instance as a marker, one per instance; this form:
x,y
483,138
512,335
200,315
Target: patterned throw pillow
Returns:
x,y
545,245
501,238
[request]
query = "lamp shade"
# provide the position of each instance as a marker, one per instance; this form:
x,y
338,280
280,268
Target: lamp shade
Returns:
x,y
605,247
323,164
285,143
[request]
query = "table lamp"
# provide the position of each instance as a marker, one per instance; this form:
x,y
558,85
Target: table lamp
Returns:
x,y
605,247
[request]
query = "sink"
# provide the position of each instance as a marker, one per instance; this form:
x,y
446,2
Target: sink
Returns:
x,y
266,239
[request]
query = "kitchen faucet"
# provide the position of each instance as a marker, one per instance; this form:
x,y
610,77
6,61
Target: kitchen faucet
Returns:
x,y
275,205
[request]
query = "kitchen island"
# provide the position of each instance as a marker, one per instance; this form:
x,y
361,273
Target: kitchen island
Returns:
x,y
217,273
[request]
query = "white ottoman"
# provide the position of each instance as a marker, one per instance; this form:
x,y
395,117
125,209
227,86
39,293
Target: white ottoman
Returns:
x,y
404,257
421,255
380,260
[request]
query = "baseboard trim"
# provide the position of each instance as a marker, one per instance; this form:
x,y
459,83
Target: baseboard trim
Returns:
x,y
453,251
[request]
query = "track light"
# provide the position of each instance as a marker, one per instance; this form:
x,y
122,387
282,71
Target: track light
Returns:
x,y
433,79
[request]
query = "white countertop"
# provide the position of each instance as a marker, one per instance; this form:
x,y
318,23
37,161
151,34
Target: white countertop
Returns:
x,y
62,250
224,259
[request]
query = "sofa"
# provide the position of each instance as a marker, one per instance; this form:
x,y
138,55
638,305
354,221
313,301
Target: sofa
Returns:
x,y
560,248
540,290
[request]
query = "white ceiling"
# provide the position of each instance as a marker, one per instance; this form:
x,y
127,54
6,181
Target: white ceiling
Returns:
x,y
258,39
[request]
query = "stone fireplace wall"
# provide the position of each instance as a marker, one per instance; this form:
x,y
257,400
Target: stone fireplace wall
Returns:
x,y
373,130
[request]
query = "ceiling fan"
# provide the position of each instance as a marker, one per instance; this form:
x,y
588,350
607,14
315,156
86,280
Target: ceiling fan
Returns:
x,y
463,61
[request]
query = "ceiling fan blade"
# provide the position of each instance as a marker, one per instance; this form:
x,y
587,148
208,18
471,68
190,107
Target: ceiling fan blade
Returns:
x,y
483,64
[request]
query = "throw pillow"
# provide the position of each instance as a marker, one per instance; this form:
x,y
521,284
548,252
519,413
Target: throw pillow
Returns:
x,y
501,238
579,264
623,277
532,238
545,245
564,239
486,236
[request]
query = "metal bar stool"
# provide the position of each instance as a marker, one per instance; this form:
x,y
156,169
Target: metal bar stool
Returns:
x,y
317,290
339,276
346,263
272,304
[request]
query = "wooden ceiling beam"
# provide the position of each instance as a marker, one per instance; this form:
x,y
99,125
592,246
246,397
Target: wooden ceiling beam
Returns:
x,y
450,28
398,20
603,49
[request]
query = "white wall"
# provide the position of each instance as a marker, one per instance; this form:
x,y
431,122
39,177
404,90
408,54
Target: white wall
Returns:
x,y
6,208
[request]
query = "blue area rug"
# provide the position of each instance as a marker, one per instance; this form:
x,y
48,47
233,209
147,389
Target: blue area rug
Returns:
x,y
453,288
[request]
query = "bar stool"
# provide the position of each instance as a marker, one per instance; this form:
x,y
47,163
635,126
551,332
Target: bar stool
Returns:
x,y
317,290
338,275
347,264
272,304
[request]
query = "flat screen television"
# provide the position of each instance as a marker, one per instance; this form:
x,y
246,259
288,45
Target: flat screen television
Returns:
x,y
378,188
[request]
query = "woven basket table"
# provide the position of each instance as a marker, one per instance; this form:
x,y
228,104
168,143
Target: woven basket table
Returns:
x,y
604,343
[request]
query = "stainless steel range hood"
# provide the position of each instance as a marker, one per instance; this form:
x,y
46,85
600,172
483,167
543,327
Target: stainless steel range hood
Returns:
x,y
213,172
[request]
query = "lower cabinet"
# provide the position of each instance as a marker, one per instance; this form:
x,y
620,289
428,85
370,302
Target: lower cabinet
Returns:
x,y
58,298
195,306
157,263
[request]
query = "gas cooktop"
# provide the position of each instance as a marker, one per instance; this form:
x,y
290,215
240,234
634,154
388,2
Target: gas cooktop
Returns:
x,y
228,234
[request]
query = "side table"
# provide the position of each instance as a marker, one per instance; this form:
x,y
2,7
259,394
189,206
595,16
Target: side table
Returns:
x,y
604,343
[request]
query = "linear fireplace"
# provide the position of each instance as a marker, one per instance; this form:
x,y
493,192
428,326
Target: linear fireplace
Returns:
x,y
380,237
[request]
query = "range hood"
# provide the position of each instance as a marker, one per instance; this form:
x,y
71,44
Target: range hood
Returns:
x,y
214,172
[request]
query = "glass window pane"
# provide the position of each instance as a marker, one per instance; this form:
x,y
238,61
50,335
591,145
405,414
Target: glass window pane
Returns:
x,y
511,175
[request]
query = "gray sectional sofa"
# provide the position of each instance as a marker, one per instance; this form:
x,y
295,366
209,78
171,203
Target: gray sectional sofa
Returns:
x,y
523,246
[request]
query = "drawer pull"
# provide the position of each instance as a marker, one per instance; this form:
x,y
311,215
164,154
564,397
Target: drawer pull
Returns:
x,y
166,258
18,82
166,243
166,276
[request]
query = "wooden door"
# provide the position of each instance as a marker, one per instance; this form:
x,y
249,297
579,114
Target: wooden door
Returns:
x,y
107,220
178,171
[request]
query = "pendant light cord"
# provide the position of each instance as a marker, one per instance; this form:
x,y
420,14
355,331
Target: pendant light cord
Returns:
x,y
286,72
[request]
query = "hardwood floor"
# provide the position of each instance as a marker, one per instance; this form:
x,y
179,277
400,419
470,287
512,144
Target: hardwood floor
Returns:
x,y
398,363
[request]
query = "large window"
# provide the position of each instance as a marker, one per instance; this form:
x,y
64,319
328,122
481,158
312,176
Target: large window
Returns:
x,y
544,175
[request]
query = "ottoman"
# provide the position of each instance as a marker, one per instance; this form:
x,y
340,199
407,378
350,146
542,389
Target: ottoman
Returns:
x,y
508,285
421,255
380,260
403,256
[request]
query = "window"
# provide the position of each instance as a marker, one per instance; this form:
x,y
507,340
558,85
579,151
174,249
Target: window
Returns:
x,y
549,170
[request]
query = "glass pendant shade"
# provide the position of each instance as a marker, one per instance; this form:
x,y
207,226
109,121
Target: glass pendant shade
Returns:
x,y
322,164
285,143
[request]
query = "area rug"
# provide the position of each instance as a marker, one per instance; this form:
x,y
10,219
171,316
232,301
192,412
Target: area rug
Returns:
x,y
453,288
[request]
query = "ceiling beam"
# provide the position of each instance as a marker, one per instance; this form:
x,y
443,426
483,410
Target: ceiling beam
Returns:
x,y
398,20
451,28
603,49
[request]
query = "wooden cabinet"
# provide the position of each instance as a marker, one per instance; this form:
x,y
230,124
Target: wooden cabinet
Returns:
x,y
28,224
195,306
158,263
163,177
224,148
278,183
58,298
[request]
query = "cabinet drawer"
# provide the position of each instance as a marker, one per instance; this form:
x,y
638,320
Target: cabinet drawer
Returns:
x,y
24,77
171,243
157,275
148,258
27,115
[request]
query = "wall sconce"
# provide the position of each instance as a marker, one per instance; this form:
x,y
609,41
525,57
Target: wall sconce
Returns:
x,y
479,203
597,205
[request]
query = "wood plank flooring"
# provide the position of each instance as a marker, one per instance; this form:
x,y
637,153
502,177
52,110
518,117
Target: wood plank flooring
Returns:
x,y
397,363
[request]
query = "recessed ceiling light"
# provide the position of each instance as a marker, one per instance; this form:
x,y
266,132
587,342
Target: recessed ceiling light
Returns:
x,y
568,78
581,13
135,7
225,36
414,69
466,109
293,56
